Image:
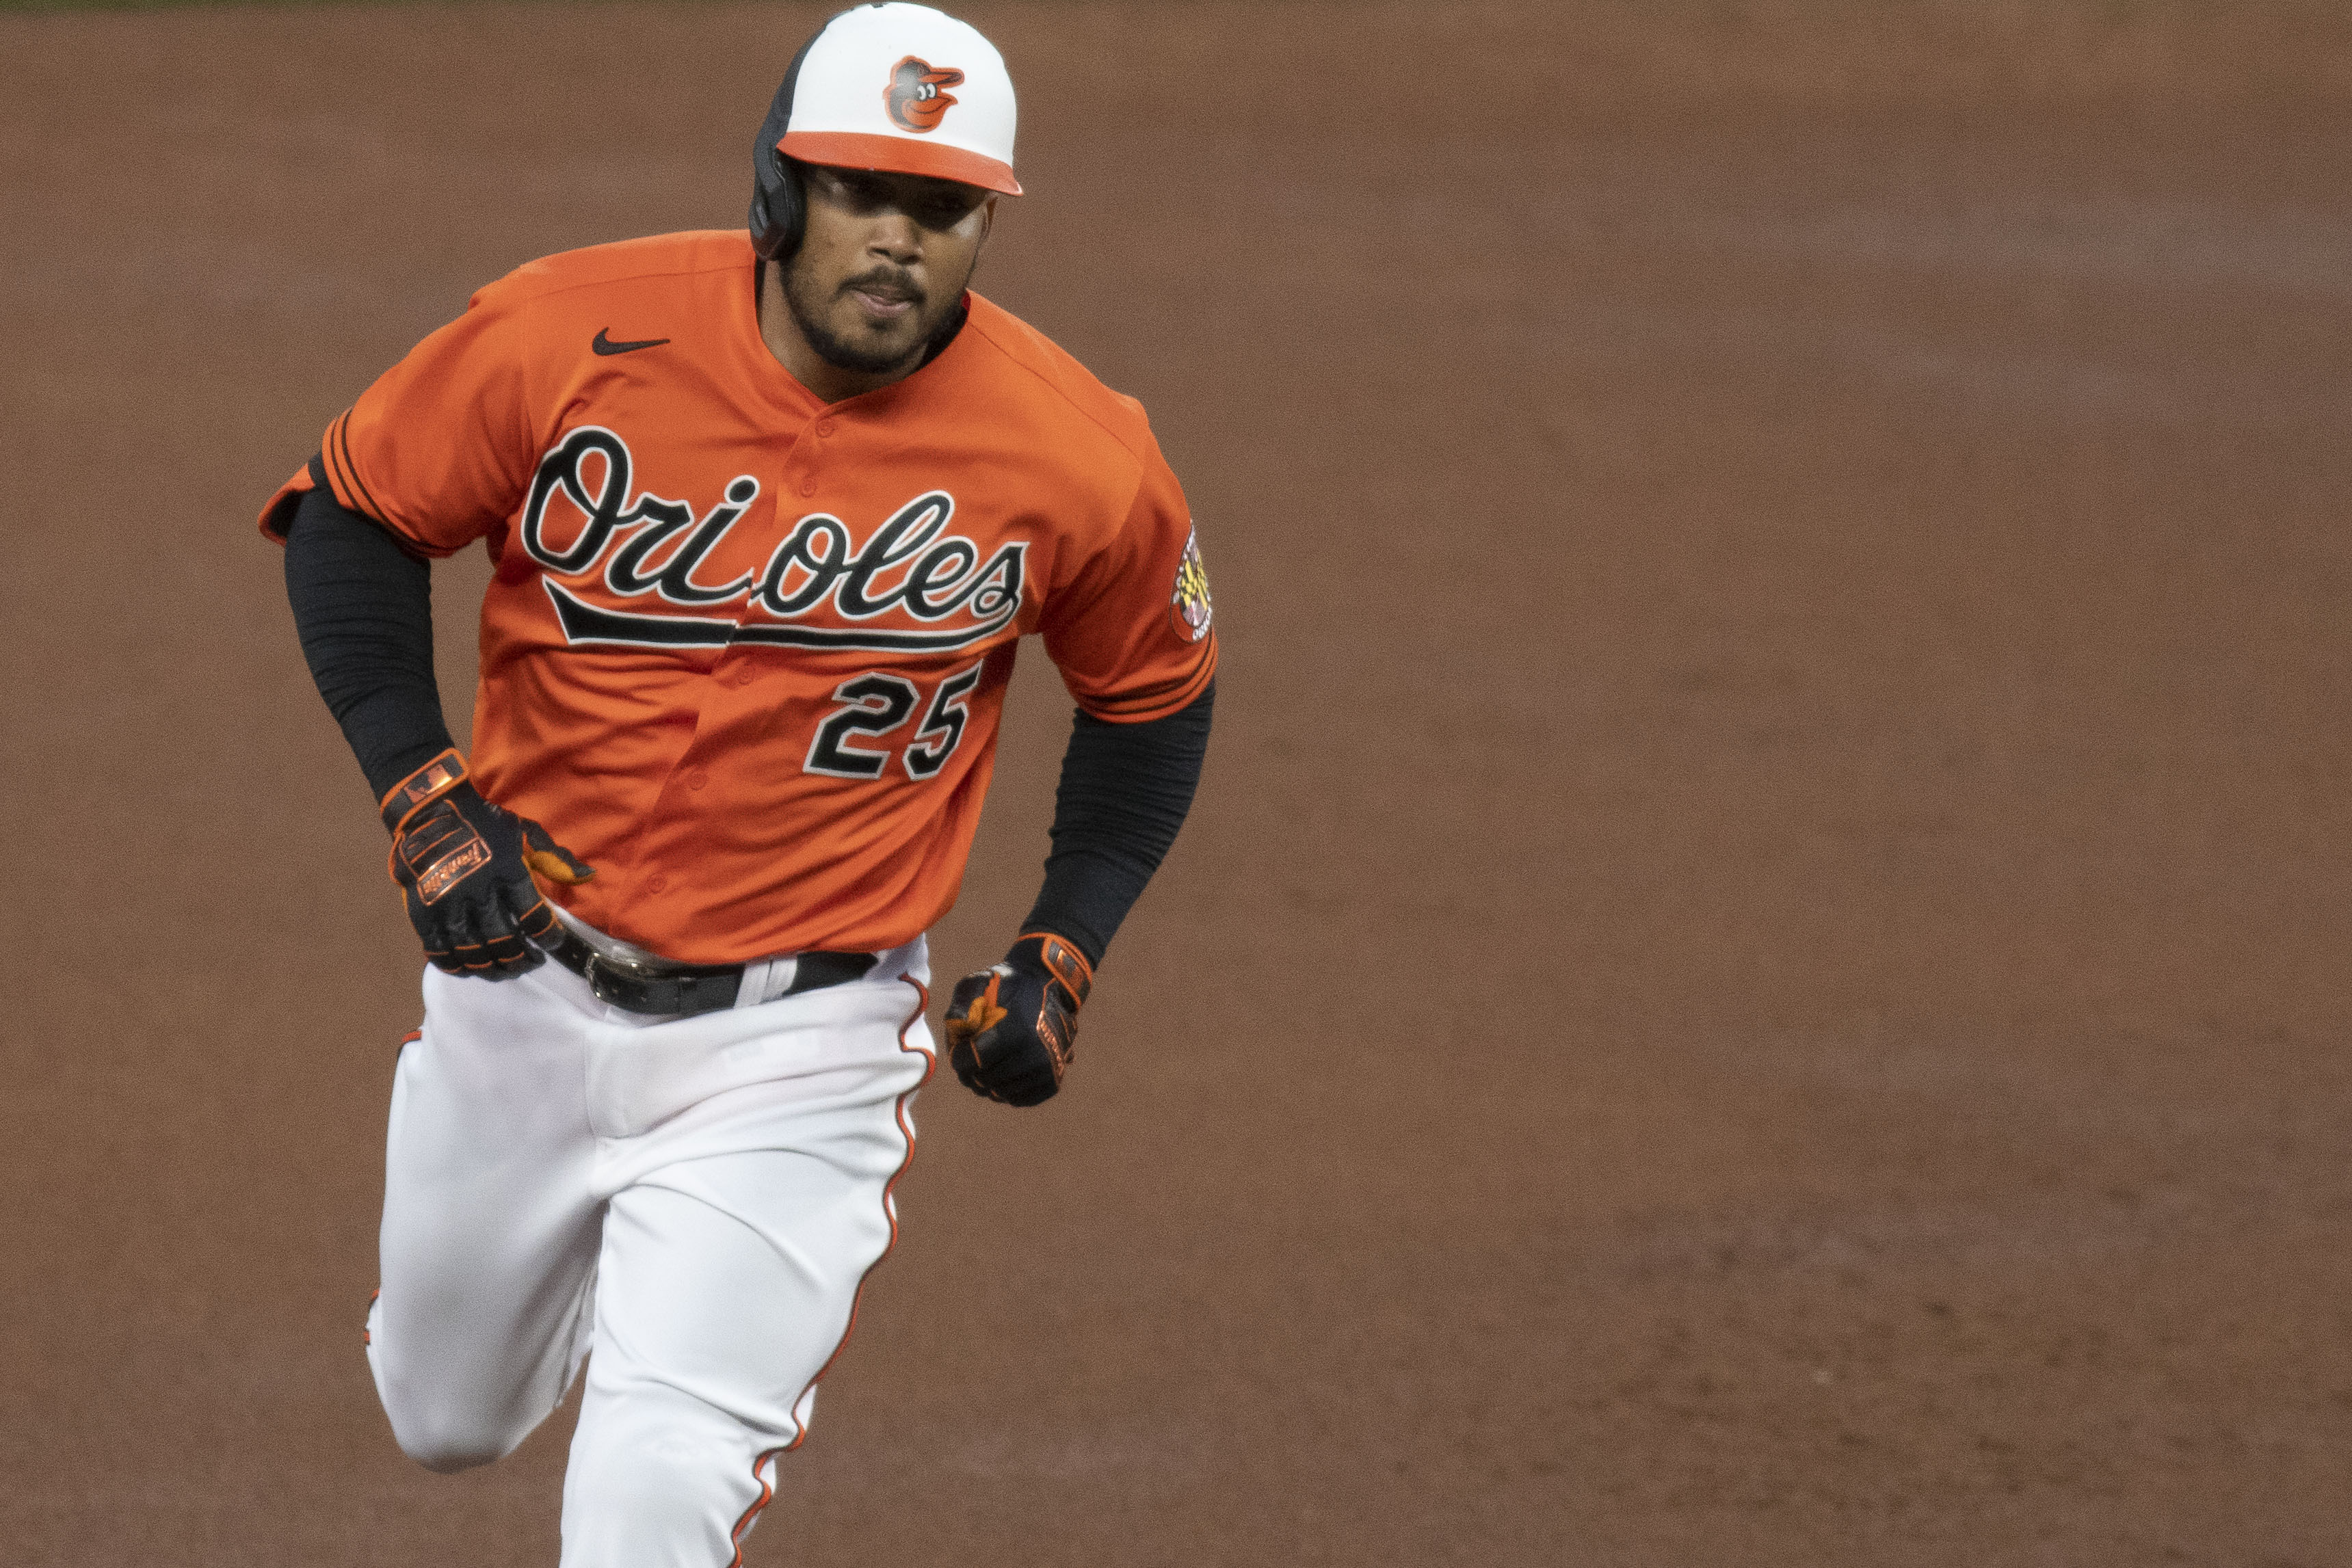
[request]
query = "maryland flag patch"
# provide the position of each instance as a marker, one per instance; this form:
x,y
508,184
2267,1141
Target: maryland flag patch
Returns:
x,y
1188,608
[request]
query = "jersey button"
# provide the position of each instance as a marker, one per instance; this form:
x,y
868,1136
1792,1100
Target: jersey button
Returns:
x,y
808,486
824,427
658,884
697,778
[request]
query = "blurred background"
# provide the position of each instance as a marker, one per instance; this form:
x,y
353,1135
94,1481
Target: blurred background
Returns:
x,y
1759,976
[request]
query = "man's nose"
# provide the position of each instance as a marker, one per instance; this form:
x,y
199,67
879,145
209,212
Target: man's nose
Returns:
x,y
898,237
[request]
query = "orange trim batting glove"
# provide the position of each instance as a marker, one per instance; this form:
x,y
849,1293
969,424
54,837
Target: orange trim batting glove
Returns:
x,y
1012,1027
463,867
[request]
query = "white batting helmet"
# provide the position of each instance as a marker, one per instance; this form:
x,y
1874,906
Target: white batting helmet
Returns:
x,y
897,87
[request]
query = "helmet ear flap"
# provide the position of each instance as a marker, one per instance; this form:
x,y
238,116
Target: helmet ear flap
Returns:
x,y
778,206
779,203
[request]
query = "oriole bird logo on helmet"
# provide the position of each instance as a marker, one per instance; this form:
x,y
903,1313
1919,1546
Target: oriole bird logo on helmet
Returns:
x,y
913,97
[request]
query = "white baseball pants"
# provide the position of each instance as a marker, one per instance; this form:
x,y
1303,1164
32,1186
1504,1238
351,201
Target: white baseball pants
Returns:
x,y
695,1201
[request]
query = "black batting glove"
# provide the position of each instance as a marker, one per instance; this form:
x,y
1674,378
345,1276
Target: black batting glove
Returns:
x,y
463,867
1012,1027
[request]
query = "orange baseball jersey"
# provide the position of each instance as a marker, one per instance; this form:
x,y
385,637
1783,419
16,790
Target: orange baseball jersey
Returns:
x,y
745,652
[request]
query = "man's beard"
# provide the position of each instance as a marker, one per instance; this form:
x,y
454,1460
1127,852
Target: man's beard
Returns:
x,y
838,351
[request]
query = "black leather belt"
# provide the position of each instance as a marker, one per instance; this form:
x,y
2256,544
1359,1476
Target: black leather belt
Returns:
x,y
688,987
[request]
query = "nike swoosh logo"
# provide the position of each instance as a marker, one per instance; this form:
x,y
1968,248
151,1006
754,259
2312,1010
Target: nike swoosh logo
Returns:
x,y
605,345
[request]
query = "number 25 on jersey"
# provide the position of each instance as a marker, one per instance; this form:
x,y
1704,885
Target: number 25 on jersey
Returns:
x,y
875,705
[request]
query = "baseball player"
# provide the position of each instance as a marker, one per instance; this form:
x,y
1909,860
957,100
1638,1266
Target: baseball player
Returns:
x,y
769,513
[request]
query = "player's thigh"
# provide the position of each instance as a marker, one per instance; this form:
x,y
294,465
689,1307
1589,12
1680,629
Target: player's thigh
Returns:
x,y
491,1221
733,1278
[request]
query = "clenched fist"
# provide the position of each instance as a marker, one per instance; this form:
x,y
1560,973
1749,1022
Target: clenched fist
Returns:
x,y
1012,1027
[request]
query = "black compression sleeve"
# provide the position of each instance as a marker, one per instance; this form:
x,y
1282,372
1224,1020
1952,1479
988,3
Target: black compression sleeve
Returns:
x,y
1124,791
364,609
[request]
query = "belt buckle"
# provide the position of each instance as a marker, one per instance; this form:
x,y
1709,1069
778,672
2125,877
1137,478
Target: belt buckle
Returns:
x,y
652,992
618,982
599,986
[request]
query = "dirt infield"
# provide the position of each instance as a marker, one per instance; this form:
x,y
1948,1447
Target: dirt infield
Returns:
x,y
1761,974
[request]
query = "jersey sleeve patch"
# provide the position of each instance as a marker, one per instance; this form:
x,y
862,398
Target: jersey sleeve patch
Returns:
x,y
1189,609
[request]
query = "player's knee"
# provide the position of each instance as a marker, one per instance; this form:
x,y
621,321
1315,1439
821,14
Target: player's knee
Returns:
x,y
445,1441
445,1453
447,1422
